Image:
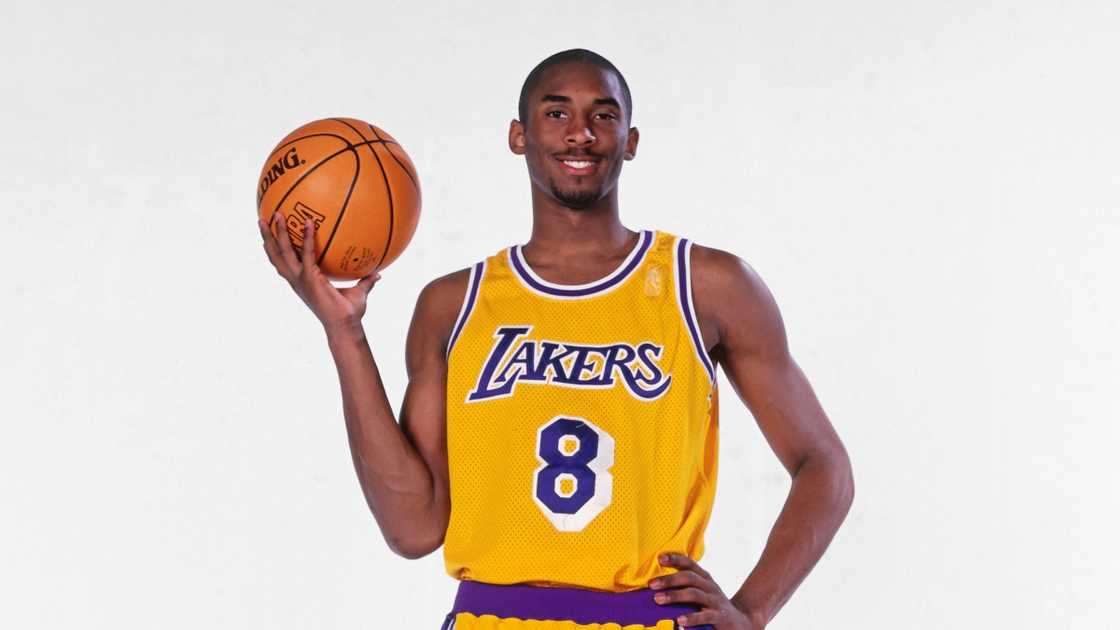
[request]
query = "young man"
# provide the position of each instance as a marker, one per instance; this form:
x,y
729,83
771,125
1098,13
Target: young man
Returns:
x,y
559,431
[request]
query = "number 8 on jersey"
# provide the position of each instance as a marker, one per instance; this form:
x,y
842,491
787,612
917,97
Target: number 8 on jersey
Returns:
x,y
573,484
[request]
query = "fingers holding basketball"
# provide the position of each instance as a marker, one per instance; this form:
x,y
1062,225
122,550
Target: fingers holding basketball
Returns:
x,y
273,248
302,270
307,251
313,283
297,268
333,307
281,253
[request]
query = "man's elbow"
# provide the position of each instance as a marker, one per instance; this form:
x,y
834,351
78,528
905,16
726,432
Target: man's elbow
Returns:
x,y
833,469
847,483
414,546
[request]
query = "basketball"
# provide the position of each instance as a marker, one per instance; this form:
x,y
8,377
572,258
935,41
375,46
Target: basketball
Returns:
x,y
355,182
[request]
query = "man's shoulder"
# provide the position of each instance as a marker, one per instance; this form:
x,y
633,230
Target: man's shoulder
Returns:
x,y
712,271
437,308
727,290
444,295
708,260
714,260
716,269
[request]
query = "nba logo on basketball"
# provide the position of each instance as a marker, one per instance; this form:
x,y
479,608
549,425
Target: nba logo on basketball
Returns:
x,y
295,221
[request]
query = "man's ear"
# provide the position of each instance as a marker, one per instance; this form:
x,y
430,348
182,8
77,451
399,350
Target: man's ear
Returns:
x,y
516,137
631,144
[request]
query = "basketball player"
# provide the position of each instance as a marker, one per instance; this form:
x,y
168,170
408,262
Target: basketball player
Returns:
x,y
559,432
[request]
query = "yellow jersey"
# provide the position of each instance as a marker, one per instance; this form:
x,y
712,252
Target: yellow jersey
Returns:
x,y
581,423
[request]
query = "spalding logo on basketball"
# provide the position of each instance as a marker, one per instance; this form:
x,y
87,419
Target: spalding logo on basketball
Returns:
x,y
355,182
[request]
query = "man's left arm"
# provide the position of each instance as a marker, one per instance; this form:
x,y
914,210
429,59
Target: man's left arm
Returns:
x,y
744,333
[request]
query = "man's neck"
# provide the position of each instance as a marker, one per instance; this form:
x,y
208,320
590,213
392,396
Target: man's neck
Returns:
x,y
561,233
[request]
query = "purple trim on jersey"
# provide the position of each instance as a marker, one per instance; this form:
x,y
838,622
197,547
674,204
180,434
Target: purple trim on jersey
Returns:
x,y
526,276
566,604
684,284
468,305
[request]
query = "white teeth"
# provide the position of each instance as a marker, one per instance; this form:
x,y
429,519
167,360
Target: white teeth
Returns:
x,y
575,164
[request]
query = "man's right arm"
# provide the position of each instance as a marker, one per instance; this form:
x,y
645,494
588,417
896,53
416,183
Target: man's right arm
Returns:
x,y
402,468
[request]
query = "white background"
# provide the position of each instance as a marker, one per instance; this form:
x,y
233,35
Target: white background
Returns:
x,y
930,190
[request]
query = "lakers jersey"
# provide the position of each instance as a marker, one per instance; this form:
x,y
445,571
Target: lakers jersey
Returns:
x,y
581,423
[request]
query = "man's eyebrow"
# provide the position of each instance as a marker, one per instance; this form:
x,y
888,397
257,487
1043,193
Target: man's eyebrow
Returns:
x,y
556,98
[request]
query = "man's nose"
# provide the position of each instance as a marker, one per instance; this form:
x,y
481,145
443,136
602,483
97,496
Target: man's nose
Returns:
x,y
579,135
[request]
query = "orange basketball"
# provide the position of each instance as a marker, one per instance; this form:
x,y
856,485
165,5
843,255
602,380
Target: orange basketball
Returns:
x,y
355,182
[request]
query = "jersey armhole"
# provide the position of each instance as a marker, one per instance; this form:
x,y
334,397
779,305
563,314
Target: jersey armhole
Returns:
x,y
683,263
469,299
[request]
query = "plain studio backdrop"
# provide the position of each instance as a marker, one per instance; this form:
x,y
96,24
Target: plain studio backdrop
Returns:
x,y
929,189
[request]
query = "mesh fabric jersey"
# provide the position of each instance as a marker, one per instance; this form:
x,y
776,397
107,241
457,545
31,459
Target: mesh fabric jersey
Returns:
x,y
581,424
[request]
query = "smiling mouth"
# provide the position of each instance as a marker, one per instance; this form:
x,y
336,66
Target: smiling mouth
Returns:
x,y
579,167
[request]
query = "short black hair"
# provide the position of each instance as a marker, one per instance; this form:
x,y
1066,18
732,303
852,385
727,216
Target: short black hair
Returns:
x,y
575,54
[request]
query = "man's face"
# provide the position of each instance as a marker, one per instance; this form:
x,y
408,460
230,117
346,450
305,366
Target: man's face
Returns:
x,y
575,134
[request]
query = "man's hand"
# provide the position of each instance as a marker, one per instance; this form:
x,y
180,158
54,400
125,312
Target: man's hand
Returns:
x,y
693,585
337,309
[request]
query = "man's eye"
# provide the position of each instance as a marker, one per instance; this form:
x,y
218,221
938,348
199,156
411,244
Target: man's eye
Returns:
x,y
557,113
607,115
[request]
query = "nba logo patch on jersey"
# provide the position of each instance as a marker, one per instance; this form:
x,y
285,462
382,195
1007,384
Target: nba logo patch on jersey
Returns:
x,y
654,280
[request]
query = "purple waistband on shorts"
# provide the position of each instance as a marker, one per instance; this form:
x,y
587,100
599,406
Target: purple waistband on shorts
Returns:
x,y
564,604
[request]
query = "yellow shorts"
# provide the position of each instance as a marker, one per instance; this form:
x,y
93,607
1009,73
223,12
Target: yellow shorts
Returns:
x,y
467,621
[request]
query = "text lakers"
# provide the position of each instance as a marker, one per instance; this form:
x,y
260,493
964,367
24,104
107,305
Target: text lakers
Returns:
x,y
515,358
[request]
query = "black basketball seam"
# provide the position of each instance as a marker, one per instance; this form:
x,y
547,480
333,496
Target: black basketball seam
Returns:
x,y
310,135
342,210
310,171
407,171
349,147
333,135
388,189
342,121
